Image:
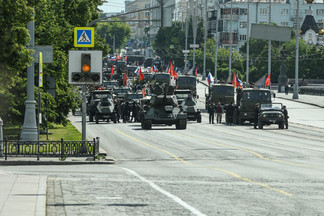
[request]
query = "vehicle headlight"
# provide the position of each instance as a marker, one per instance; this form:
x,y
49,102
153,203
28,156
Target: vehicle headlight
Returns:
x,y
264,115
168,108
279,115
245,114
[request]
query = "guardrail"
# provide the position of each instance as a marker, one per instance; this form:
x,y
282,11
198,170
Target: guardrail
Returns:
x,y
62,149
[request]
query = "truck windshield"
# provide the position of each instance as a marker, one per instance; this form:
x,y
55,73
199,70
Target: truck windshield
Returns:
x,y
223,90
187,80
257,95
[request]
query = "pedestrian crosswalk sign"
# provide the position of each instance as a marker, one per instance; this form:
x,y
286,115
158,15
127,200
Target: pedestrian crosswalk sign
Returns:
x,y
84,37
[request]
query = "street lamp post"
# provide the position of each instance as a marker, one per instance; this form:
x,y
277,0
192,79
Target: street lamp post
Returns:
x,y
295,94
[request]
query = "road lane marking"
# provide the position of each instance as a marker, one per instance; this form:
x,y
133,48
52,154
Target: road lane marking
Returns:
x,y
249,151
168,194
208,167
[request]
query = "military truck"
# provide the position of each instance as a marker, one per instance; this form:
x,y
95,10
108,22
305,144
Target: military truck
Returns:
x,y
93,100
105,110
188,83
223,93
246,98
163,109
271,113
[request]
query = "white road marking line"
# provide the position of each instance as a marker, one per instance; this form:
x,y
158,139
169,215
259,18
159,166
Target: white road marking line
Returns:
x,y
173,197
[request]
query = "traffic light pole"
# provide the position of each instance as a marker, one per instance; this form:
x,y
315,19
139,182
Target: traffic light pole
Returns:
x,y
84,113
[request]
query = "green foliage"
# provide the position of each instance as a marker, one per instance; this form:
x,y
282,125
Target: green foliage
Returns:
x,y
54,24
107,31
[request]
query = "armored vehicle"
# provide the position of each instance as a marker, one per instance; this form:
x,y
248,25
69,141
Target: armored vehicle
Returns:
x,y
163,109
271,113
246,99
105,110
189,106
187,82
93,100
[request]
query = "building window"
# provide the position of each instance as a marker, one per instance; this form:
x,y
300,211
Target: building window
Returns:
x,y
147,14
283,23
243,24
147,5
243,11
320,12
284,12
242,37
263,11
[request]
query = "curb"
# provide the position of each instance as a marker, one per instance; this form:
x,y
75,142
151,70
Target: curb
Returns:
x,y
303,102
27,163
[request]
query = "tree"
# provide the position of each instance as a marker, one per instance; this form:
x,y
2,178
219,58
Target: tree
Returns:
x,y
120,29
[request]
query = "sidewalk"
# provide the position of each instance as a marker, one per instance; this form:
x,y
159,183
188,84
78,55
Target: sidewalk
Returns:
x,y
303,98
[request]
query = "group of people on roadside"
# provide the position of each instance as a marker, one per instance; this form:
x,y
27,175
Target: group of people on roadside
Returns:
x,y
126,111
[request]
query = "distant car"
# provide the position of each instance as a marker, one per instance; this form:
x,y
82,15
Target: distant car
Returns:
x,y
271,113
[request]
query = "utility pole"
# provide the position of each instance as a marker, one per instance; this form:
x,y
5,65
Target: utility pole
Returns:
x,y
295,94
161,3
205,40
187,29
248,43
216,44
269,43
231,46
30,130
194,34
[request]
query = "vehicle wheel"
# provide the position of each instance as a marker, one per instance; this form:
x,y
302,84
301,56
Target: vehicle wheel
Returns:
x,y
199,119
148,124
97,119
260,125
90,117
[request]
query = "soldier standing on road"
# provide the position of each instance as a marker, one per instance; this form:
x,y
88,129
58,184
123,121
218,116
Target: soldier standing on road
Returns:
x,y
229,113
256,115
219,113
285,112
286,89
211,111
134,111
127,111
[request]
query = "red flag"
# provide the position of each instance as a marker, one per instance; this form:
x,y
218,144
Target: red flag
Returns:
x,y
143,92
196,72
125,78
137,63
172,71
141,76
234,82
151,69
125,58
268,81
112,72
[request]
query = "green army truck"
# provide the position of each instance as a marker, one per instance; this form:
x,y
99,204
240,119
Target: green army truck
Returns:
x,y
246,98
223,93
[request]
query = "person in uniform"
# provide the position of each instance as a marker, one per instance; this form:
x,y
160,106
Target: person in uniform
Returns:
x,y
211,111
285,113
256,115
229,113
219,113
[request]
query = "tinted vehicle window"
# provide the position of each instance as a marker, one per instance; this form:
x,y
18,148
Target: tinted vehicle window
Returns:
x,y
186,80
224,90
257,95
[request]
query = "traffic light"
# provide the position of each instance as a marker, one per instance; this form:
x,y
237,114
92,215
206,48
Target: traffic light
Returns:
x,y
85,67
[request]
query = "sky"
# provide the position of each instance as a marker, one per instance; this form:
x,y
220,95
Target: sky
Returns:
x,y
113,6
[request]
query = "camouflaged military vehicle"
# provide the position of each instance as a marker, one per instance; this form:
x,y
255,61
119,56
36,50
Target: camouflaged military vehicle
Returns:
x,y
105,110
163,109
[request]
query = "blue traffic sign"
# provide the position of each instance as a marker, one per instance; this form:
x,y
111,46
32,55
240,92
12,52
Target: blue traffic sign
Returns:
x,y
84,37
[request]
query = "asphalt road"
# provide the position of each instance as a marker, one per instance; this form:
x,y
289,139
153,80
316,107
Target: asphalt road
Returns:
x,y
203,170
